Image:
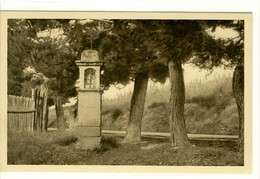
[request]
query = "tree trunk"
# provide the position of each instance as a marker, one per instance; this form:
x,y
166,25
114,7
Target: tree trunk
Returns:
x,y
176,105
238,91
133,132
60,113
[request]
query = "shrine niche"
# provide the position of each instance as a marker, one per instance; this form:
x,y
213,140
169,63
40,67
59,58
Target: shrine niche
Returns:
x,y
90,78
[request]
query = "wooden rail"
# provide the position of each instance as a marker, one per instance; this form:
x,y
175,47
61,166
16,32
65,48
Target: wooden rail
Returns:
x,y
162,135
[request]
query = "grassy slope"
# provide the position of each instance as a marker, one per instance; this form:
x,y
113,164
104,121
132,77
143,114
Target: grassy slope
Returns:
x,y
210,109
58,148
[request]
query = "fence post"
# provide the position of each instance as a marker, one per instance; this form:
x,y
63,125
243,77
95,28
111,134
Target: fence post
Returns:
x,y
41,106
45,107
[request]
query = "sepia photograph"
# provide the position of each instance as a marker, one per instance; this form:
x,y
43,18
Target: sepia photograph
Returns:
x,y
142,90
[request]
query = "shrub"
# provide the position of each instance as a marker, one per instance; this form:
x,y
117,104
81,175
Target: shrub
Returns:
x,y
66,140
107,143
204,101
156,104
116,113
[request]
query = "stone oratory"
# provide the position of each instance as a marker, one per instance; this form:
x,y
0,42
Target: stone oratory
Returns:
x,y
88,128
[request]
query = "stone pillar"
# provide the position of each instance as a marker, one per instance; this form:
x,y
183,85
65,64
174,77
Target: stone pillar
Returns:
x,y
88,128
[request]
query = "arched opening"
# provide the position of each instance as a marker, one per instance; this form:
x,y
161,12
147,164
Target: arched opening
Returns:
x,y
90,78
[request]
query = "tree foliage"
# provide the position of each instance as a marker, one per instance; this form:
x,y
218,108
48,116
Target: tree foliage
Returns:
x,y
16,55
45,53
219,51
132,52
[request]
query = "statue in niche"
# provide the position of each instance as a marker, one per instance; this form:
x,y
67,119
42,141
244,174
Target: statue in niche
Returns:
x,y
90,78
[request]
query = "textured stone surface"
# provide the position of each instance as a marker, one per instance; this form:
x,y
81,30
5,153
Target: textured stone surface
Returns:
x,y
91,122
90,99
88,143
89,111
84,131
89,56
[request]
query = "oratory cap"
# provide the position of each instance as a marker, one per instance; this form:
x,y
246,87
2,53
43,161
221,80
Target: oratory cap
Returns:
x,y
90,56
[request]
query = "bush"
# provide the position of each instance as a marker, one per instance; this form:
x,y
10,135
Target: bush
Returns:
x,y
116,113
156,104
66,140
107,143
203,101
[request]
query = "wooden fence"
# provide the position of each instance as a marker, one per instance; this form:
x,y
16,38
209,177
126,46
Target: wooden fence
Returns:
x,y
29,114
21,113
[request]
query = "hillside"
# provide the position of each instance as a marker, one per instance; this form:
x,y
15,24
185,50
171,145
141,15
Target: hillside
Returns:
x,y
214,112
198,120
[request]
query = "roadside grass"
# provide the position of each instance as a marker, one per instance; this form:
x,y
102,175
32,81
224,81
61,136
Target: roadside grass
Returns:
x,y
210,108
49,149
